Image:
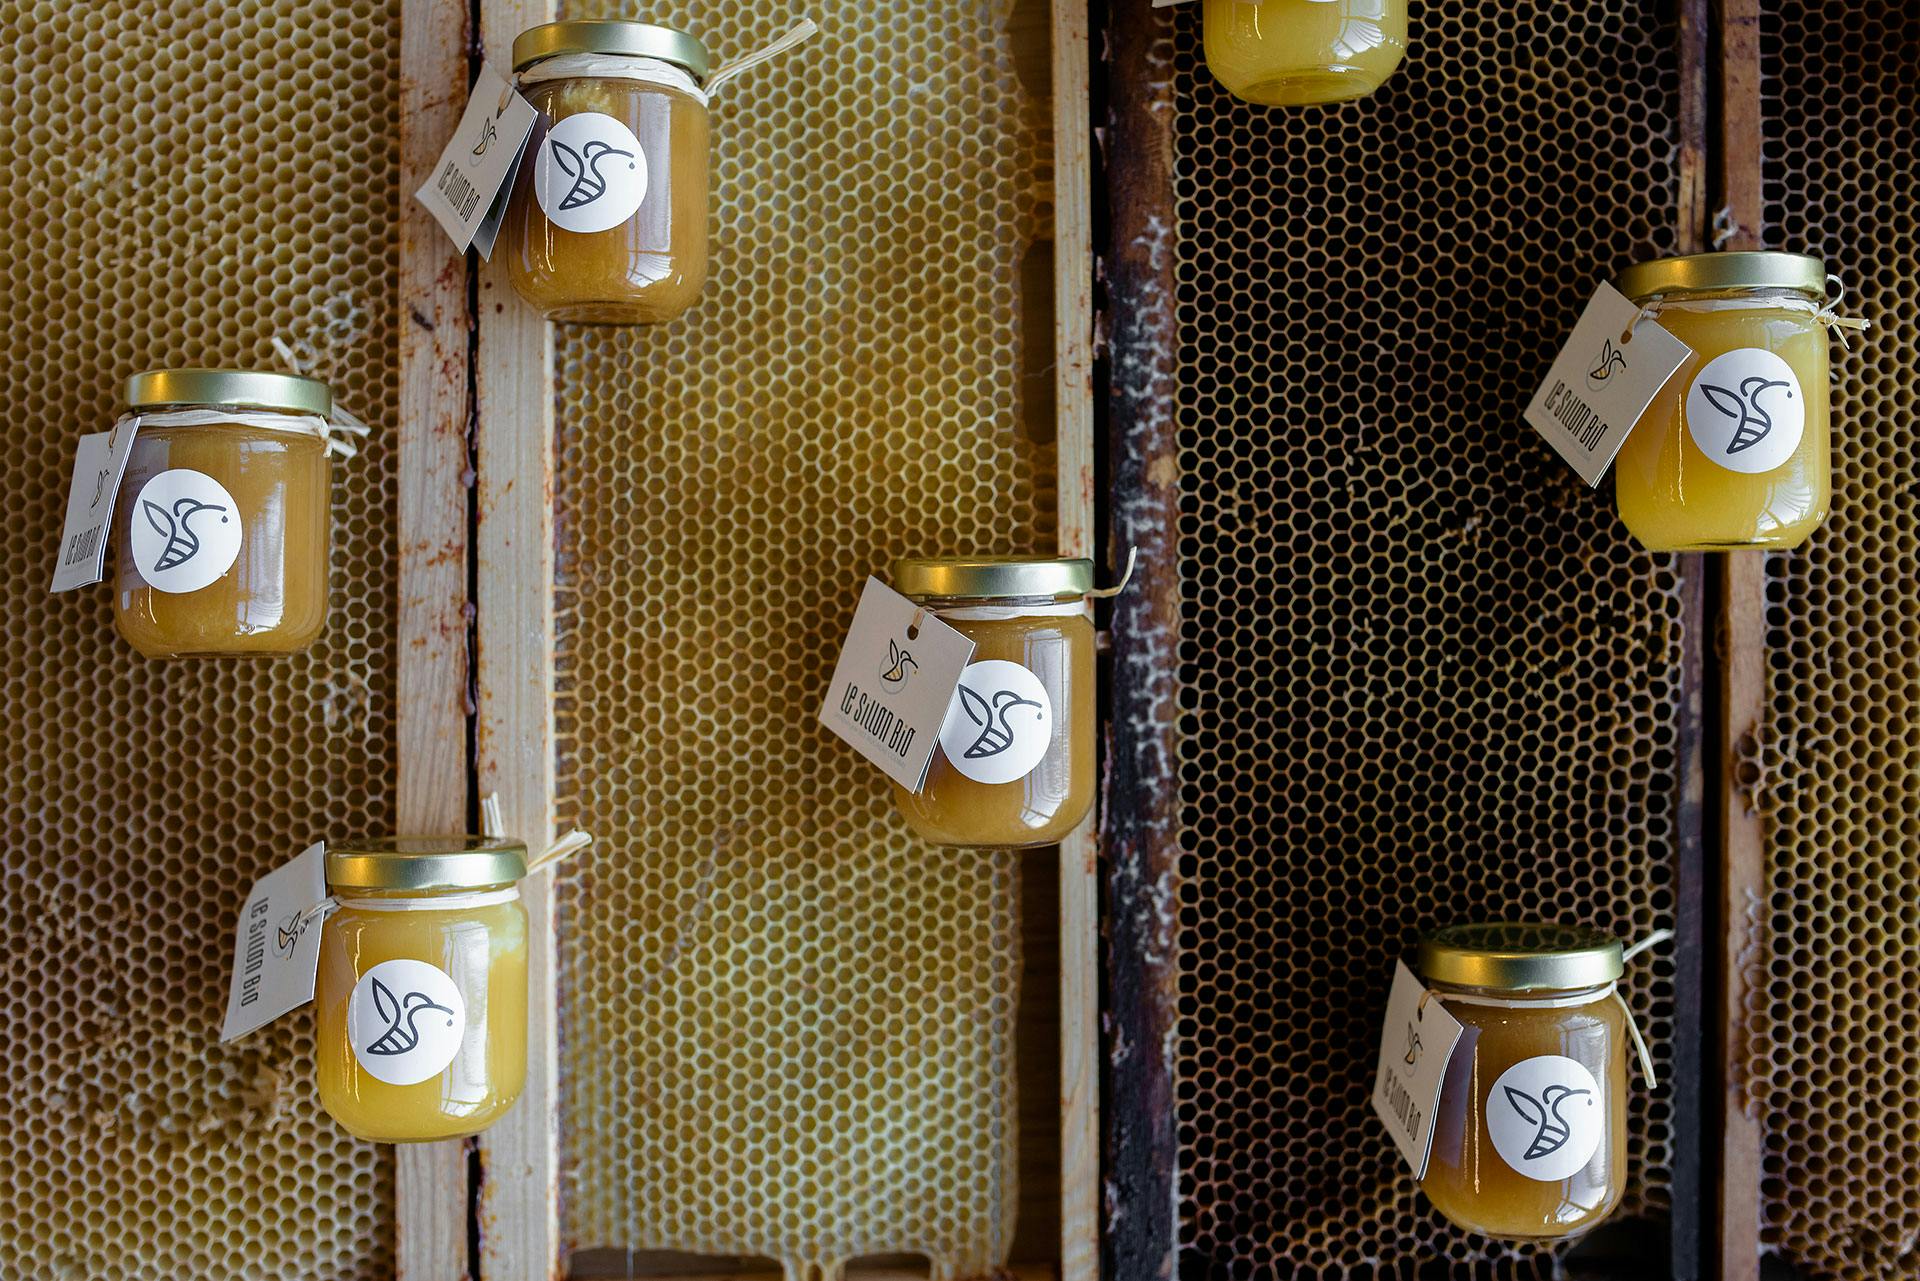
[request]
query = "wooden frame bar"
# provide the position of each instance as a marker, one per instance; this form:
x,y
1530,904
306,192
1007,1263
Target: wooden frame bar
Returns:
x,y
1140,815
435,329
491,365
518,1212
1079,853
1740,643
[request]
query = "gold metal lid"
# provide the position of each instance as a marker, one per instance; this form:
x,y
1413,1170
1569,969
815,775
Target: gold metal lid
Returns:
x,y
986,577
1700,273
610,35
1520,956
241,388
426,864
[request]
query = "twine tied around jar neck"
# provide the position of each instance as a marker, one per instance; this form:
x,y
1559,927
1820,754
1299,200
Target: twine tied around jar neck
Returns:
x,y
494,826
803,30
1829,314
343,429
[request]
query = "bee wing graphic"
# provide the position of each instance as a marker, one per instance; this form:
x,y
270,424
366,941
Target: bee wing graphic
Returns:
x,y
159,518
567,158
395,1040
975,706
1724,399
1607,356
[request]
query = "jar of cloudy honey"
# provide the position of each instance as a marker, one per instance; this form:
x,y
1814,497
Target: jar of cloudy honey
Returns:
x,y
223,522
1530,1135
1015,762
1734,452
1285,53
420,1005
608,218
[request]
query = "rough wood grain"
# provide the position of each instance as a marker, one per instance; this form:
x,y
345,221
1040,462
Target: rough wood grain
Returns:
x,y
1740,649
1079,854
435,330
519,1212
1139,814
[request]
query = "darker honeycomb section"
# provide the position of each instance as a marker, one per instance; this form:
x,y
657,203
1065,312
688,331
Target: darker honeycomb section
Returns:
x,y
181,191
1427,676
1834,1070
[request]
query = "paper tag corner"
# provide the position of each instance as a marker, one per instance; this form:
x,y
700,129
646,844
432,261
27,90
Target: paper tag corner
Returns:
x,y
1606,375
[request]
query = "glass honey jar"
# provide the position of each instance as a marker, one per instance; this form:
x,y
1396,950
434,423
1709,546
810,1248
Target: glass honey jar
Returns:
x,y
222,527
607,222
1530,1132
1734,452
1015,762
420,1004
1286,53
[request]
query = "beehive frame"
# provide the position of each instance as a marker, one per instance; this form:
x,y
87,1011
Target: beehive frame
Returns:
x,y
476,357
1781,125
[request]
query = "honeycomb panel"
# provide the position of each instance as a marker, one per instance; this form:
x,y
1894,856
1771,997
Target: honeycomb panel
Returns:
x,y
787,1026
1426,675
1835,1068
181,191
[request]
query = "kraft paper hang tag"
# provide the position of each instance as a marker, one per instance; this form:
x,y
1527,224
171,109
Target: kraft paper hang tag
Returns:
x,y
1416,1044
894,683
98,466
276,943
468,192
1609,370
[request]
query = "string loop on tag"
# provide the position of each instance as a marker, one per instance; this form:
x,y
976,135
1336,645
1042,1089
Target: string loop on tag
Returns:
x,y
319,911
1126,576
493,825
1829,314
344,430
801,31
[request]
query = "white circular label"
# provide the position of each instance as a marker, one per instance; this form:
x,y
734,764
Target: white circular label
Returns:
x,y
590,174
185,531
404,1021
1000,722
1546,1117
1745,410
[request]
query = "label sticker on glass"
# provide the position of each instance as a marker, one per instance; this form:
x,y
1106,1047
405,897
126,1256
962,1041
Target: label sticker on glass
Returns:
x,y
185,531
468,192
98,465
590,173
276,945
405,1020
894,684
1607,373
1000,723
1546,1117
1416,1044
1745,410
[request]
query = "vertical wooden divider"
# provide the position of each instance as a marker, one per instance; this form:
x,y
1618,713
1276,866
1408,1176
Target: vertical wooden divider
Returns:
x,y
519,1206
1079,853
1688,1090
1740,646
431,762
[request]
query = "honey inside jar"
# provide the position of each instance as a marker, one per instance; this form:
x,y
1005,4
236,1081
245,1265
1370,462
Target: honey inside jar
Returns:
x,y
420,1004
1282,53
1735,451
223,520
1530,1135
607,222
1015,764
